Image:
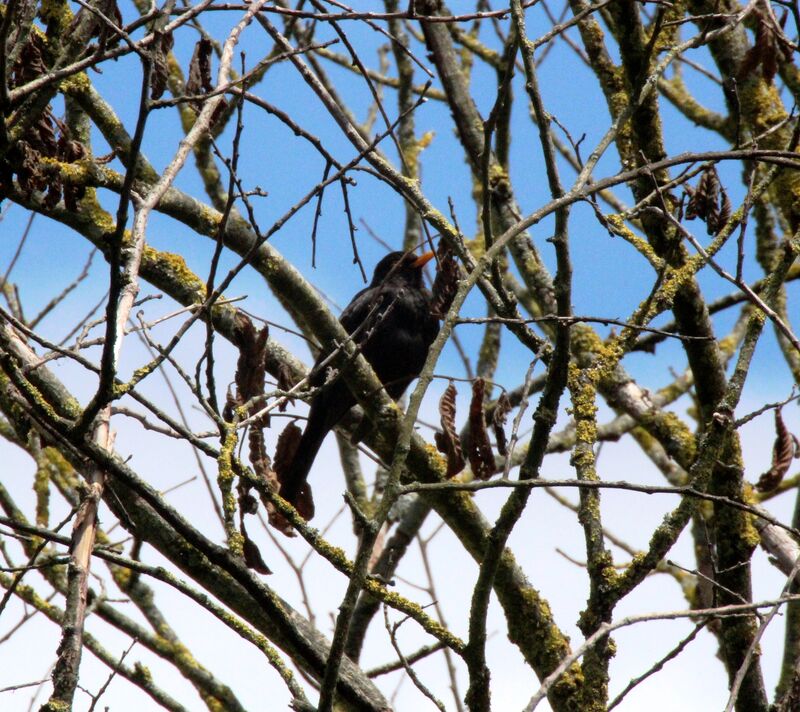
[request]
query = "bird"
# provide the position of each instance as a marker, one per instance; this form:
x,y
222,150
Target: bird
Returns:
x,y
393,327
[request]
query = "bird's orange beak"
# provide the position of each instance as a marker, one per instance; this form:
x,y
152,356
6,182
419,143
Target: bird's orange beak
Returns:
x,y
423,260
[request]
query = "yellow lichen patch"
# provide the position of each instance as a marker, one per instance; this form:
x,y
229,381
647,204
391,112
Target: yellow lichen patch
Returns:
x,y
425,140
435,460
76,84
225,478
210,219
585,341
177,269
56,706
749,534
77,173
122,576
583,410
235,540
670,427
41,486
333,553
545,640
27,594
34,395
139,374
762,105
60,467
668,34
608,574
497,174
93,213
477,247
610,354
57,14
141,672
674,280
434,216
431,626
619,227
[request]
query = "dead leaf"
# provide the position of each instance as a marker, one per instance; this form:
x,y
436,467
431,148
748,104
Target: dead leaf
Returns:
x,y
770,49
501,410
479,449
252,555
785,449
445,285
288,441
285,450
447,441
199,81
162,46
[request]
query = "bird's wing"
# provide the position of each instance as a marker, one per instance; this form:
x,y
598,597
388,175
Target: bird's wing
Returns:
x,y
351,318
362,310
430,324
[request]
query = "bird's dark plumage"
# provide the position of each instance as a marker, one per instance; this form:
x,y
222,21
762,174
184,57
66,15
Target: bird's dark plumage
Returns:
x,y
394,329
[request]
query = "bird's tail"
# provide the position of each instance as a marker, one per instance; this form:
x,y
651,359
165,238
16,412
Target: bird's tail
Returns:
x,y
296,476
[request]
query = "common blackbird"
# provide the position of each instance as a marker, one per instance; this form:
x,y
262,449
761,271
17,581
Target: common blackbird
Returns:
x,y
394,328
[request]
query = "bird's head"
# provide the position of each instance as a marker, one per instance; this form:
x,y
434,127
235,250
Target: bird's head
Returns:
x,y
401,267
